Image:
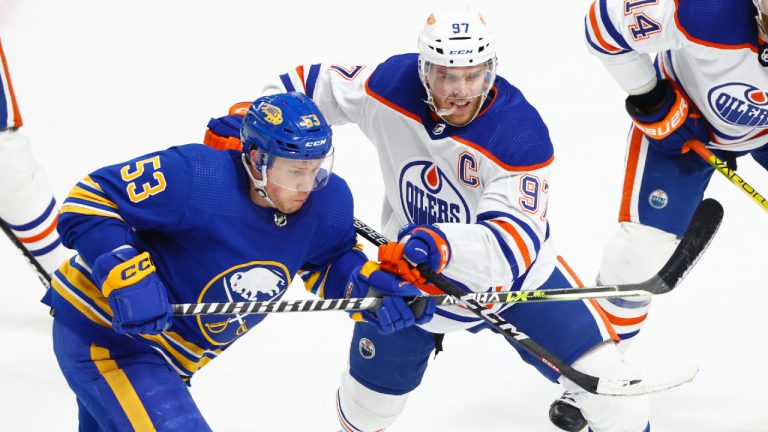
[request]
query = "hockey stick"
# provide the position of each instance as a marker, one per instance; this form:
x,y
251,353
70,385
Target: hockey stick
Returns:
x,y
654,286
697,237
730,174
356,304
45,279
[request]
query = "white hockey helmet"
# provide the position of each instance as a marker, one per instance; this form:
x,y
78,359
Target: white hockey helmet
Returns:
x,y
456,38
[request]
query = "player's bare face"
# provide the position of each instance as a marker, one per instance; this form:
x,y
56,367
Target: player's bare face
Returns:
x,y
289,182
457,91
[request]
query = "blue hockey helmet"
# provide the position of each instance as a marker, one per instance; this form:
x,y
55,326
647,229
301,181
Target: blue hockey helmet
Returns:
x,y
288,126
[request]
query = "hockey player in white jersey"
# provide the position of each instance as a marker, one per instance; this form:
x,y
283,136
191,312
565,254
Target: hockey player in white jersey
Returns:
x,y
708,82
465,161
28,210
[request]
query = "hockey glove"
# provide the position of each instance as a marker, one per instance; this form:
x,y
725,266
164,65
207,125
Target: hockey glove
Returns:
x,y
667,118
394,313
136,295
425,244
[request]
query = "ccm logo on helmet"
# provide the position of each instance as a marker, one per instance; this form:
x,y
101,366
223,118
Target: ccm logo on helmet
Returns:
x,y
315,143
459,52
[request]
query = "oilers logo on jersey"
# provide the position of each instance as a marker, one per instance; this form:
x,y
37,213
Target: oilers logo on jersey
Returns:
x,y
254,281
428,196
739,104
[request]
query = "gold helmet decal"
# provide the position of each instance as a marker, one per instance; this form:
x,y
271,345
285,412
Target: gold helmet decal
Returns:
x,y
272,114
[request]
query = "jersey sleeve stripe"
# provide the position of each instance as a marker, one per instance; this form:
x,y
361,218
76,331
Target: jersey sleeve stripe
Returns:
x,y
314,72
300,74
504,249
45,250
286,80
37,221
8,104
85,195
595,27
528,230
612,32
519,242
44,233
74,207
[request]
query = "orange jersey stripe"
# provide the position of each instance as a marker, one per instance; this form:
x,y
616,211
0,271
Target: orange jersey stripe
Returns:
x,y
596,30
42,235
300,72
521,246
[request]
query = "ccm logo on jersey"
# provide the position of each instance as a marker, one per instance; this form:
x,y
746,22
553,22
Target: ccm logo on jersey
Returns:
x,y
669,124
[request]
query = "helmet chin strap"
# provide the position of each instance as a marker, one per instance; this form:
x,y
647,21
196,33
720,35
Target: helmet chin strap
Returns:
x,y
259,185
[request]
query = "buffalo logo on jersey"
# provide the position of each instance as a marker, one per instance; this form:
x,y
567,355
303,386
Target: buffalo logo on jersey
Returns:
x,y
255,281
428,196
272,114
740,104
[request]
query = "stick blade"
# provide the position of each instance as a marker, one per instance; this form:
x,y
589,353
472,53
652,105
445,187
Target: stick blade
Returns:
x,y
698,236
643,386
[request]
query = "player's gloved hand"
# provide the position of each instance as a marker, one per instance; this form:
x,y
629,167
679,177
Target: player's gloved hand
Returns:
x,y
395,313
136,295
667,118
223,133
423,244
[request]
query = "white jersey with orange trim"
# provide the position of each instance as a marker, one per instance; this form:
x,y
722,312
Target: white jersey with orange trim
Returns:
x,y
27,205
484,185
708,47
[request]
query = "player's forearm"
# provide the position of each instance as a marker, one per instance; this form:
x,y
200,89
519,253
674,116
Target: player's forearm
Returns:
x,y
92,236
633,72
477,259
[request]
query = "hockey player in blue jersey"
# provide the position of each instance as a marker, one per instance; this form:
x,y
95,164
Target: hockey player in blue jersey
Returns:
x,y
28,210
192,224
467,174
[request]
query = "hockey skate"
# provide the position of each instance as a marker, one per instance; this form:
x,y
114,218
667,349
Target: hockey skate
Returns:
x,y
565,414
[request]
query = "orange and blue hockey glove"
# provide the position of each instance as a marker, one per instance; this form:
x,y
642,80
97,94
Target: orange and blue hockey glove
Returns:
x,y
425,244
667,118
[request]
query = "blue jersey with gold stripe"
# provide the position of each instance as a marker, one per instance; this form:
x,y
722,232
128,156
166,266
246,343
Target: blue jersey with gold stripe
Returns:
x,y
190,208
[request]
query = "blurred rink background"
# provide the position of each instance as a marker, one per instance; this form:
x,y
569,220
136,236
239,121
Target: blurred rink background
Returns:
x,y
100,82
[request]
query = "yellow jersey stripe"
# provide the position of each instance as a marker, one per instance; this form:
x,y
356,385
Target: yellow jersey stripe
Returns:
x,y
70,207
79,304
78,192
